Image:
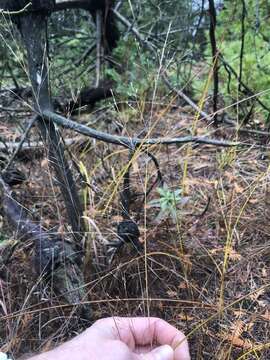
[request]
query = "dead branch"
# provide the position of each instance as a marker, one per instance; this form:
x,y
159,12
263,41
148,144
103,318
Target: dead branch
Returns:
x,y
182,95
212,35
21,149
20,145
89,96
33,30
87,52
244,86
137,34
15,7
127,142
98,45
243,36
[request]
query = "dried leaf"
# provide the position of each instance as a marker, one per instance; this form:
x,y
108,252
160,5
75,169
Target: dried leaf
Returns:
x,y
239,342
44,163
237,328
266,315
253,201
116,218
183,285
234,255
254,296
264,272
238,189
185,317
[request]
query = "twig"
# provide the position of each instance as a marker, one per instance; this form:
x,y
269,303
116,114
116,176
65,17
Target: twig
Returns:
x,y
243,34
248,90
13,77
85,54
33,146
98,46
127,142
180,93
33,29
235,126
125,22
118,5
9,109
18,12
18,148
158,180
125,195
90,5
212,29
89,69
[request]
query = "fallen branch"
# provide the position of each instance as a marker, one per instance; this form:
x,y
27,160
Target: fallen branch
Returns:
x,y
19,12
127,142
32,146
89,96
182,95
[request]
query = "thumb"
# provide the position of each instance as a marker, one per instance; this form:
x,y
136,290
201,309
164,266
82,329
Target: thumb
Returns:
x,y
164,352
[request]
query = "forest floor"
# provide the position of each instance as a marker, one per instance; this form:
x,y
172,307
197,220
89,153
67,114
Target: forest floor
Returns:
x,y
206,271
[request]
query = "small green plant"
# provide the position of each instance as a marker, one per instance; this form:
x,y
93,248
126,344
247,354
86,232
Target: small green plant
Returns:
x,y
225,158
168,202
138,72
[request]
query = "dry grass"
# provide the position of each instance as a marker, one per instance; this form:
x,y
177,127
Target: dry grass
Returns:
x,y
207,274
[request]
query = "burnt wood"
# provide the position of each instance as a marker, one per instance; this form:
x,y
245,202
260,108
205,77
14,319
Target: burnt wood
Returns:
x,y
33,30
128,232
52,5
110,33
13,176
36,5
54,256
89,97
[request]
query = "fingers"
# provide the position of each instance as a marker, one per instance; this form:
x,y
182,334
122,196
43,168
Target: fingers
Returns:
x,y
164,352
144,331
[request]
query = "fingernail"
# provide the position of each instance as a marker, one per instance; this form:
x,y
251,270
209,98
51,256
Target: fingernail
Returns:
x,y
164,352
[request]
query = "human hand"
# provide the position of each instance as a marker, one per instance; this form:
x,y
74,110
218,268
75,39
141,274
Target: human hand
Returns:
x,y
124,339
